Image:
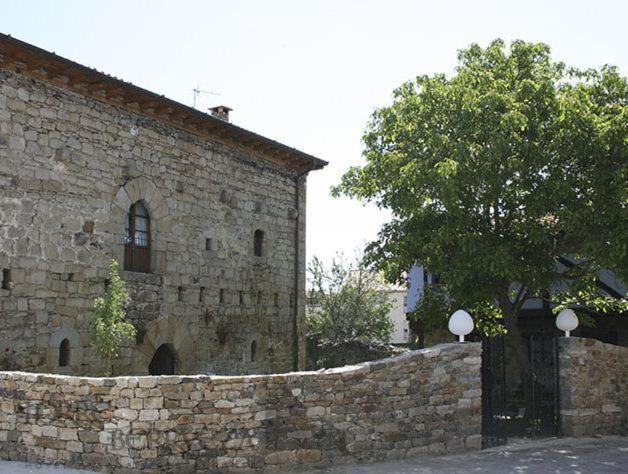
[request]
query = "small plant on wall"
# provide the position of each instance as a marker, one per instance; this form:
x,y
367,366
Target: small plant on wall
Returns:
x,y
110,328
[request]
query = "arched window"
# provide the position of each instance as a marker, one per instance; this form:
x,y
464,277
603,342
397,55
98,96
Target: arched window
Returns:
x,y
253,351
258,243
137,239
163,362
64,353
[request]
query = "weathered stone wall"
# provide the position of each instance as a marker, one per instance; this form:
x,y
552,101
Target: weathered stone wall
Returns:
x,y
425,401
70,168
593,387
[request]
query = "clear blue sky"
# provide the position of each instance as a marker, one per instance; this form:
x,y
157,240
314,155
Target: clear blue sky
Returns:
x,y
308,74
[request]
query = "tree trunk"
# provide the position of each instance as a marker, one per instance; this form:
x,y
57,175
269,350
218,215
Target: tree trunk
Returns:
x,y
416,328
518,343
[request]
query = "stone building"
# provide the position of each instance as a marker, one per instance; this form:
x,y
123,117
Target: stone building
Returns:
x,y
206,219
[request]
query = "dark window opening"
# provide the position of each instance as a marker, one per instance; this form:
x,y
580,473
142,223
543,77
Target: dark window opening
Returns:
x,y
64,353
276,299
259,297
6,279
241,296
179,293
163,362
221,297
258,243
107,282
253,351
137,239
208,244
291,301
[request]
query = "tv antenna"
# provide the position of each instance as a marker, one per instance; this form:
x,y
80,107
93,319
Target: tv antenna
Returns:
x,y
197,92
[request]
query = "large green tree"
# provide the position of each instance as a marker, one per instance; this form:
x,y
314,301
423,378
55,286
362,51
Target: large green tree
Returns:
x,y
495,174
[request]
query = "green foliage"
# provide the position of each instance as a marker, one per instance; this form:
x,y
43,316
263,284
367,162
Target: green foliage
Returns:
x,y
495,172
435,307
110,329
346,304
586,299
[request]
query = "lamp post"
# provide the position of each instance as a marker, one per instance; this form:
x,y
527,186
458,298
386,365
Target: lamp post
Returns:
x,y
567,321
461,324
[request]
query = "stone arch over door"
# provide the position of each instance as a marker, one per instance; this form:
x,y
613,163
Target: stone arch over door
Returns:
x,y
171,333
144,190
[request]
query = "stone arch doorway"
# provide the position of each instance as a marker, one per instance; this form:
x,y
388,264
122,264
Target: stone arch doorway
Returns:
x,y
169,331
163,362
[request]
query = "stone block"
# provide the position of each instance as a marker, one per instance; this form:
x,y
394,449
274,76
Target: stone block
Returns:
x,y
50,431
68,434
74,446
309,456
105,437
126,414
154,402
281,458
224,404
473,441
312,412
149,415
265,415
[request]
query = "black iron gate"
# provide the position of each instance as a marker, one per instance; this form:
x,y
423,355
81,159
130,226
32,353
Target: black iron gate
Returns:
x,y
516,403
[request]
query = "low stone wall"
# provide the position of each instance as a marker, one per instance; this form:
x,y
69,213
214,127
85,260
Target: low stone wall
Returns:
x,y
593,387
426,401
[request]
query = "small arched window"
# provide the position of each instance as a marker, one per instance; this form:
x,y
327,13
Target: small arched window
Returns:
x,y
137,239
64,353
253,351
259,243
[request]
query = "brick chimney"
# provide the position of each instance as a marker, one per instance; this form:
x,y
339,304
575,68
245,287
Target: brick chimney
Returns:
x,y
221,112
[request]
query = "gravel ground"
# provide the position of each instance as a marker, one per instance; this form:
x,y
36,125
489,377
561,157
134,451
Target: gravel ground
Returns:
x,y
564,455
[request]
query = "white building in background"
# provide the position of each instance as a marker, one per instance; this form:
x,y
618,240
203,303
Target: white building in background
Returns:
x,y
399,299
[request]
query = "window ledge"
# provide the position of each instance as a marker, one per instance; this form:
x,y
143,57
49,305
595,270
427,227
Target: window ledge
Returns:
x,y
138,277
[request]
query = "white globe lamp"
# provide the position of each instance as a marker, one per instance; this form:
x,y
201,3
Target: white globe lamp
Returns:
x,y
461,324
567,321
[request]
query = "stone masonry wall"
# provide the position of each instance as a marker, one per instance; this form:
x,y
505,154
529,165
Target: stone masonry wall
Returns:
x,y
593,387
426,401
70,168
